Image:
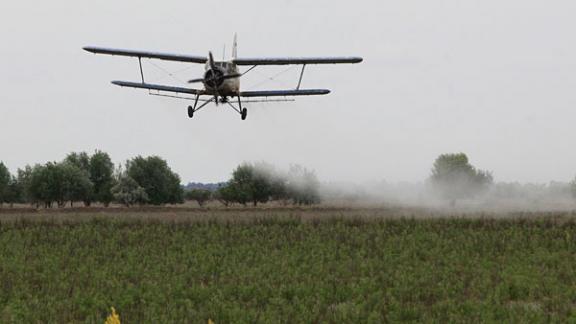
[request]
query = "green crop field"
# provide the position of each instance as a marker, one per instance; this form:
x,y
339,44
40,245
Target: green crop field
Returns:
x,y
285,265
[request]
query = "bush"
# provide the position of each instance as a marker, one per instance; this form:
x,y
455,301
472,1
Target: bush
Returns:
x,y
127,192
201,196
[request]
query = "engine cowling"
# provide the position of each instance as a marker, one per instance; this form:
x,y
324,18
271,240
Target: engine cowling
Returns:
x,y
214,78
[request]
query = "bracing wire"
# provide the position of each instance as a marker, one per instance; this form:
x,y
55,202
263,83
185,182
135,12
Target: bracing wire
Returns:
x,y
272,78
170,74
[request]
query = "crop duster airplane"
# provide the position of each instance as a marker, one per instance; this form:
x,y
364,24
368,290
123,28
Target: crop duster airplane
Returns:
x,y
222,78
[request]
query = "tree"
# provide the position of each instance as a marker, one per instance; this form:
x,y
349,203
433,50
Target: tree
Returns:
x,y
41,185
261,182
81,160
128,192
4,183
254,183
59,182
23,180
303,186
201,196
13,193
573,188
102,176
240,186
161,184
453,177
225,195
76,184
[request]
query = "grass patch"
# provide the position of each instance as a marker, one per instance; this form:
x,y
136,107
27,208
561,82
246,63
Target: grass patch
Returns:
x,y
287,268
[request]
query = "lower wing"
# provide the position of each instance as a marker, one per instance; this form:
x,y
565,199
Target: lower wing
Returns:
x,y
284,93
248,94
158,87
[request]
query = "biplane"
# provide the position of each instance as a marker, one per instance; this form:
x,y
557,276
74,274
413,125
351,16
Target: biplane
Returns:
x,y
221,79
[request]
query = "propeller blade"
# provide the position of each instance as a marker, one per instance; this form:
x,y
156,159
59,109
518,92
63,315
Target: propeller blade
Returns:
x,y
211,60
231,76
196,80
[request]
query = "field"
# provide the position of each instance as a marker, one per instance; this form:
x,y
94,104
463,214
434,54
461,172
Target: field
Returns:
x,y
291,265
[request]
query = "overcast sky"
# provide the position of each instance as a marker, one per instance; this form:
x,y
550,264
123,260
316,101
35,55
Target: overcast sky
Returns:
x,y
492,78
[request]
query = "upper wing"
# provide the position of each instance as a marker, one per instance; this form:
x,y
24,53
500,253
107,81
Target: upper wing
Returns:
x,y
284,93
296,60
145,54
158,87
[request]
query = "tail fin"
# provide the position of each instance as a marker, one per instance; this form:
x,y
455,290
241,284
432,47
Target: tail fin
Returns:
x,y
235,48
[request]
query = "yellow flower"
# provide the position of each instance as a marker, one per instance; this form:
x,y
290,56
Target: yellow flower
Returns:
x,y
114,318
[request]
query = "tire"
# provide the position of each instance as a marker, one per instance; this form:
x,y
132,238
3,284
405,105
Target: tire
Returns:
x,y
190,112
244,114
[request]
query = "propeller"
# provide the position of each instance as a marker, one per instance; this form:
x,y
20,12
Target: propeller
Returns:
x,y
211,61
225,77
215,77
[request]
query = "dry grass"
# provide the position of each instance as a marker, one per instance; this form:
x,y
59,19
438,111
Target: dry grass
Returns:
x,y
238,214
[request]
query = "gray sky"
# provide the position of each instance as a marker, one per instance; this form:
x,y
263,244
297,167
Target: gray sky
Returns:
x,y
492,78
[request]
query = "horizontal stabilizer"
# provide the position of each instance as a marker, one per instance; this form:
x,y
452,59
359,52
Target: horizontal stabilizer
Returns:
x,y
146,54
158,87
284,93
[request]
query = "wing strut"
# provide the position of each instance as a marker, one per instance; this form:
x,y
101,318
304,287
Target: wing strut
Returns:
x,y
141,71
301,75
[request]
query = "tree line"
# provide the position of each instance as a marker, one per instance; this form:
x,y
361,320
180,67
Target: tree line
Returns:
x,y
254,183
87,179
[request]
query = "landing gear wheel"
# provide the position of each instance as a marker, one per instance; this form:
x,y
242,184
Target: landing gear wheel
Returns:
x,y
190,112
244,113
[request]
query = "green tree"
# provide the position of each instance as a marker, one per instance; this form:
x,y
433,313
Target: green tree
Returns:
x,y
225,195
76,184
59,182
453,177
81,160
262,186
303,186
254,183
201,196
261,182
4,183
128,192
23,180
240,186
153,174
13,193
41,185
102,176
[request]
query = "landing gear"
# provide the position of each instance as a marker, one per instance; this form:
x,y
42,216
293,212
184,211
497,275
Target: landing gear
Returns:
x,y
240,110
195,108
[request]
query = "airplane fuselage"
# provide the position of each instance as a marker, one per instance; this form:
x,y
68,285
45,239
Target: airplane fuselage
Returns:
x,y
227,87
